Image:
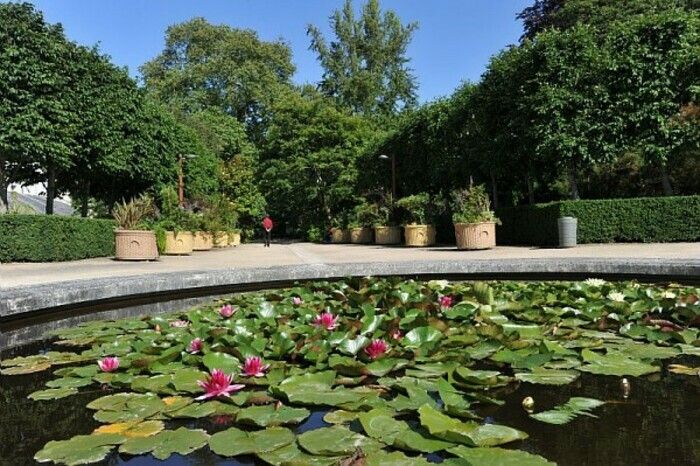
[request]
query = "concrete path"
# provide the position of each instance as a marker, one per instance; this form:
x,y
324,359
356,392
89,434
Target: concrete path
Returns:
x,y
281,254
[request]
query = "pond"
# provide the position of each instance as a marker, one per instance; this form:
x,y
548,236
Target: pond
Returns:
x,y
370,372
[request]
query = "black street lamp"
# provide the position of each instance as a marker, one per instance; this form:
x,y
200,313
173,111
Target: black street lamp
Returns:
x,y
393,172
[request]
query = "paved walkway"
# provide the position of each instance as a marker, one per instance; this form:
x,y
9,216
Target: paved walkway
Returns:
x,y
255,255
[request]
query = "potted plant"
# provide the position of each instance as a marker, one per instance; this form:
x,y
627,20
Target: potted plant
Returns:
x,y
173,228
364,217
133,240
475,222
222,220
421,208
385,231
203,234
340,233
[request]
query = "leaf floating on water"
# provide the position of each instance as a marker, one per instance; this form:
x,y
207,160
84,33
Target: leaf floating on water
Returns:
x,y
234,442
547,376
81,449
335,441
565,413
181,441
53,393
271,415
685,370
498,457
615,364
133,429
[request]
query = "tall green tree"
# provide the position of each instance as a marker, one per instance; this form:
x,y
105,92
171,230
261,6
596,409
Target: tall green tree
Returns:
x,y
215,66
365,65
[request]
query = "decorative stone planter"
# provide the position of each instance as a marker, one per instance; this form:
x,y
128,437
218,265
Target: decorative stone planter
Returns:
x,y
340,236
203,241
178,243
234,239
135,245
221,239
474,236
419,235
361,235
387,235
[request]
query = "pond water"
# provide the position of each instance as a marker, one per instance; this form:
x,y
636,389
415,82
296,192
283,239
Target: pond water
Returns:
x,y
652,422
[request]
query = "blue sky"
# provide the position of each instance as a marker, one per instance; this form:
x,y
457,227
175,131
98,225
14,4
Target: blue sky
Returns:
x,y
453,43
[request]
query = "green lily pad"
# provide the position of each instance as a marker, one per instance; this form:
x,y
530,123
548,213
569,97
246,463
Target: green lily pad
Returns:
x,y
498,457
234,442
271,415
185,380
291,455
421,336
615,364
222,361
81,449
562,414
335,441
547,376
53,393
181,441
383,458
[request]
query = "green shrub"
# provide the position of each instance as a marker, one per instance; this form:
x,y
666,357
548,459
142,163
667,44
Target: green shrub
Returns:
x,y
644,220
49,238
314,234
472,205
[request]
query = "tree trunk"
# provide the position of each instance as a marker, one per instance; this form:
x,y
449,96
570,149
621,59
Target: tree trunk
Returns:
x,y
4,186
494,190
530,190
666,181
573,183
84,206
50,189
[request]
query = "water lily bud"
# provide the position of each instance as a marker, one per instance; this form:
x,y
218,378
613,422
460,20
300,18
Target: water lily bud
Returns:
x,y
626,388
528,403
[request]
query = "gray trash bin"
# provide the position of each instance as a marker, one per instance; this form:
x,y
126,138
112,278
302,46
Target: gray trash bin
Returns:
x,y
567,232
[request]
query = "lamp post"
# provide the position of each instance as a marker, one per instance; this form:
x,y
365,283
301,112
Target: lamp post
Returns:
x,y
393,172
181,177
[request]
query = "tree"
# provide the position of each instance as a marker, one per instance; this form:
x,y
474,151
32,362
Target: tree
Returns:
x,y
309,159
365,67
215,66
36,118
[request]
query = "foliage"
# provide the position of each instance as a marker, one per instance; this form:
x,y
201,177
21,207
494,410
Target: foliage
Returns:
x,y
536,328
421,208
365,67
647,220
131,215
41,238
314,234
366,214
472,205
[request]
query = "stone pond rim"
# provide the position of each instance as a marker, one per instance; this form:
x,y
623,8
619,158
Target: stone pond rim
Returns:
x,y
91,295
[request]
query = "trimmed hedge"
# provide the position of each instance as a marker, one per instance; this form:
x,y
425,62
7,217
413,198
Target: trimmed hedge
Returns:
x,y
643,220
51,238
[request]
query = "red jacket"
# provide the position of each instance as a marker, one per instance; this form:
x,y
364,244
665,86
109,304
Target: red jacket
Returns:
x,y
267,223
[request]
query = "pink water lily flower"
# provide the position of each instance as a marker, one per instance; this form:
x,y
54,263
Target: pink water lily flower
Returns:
x,y
109,364
297,301
377,349
253,367
326,320
195,346
446,302
227,311
396,334
179,323
218,384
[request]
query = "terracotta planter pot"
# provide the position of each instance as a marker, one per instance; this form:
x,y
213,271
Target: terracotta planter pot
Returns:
x,y
135,245
203,241
360,235
340,236
473,236
419,235
234,239
179,243
221,239
387,235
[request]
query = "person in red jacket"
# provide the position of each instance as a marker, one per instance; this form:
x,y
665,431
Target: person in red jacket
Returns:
x,y
267,226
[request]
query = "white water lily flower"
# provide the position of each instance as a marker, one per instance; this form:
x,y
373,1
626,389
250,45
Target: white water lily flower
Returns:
x,y
668,295
595,282
616,296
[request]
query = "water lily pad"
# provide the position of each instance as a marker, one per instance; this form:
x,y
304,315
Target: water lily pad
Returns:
x,y
421,336
221,361
234,442
53,393
562,414
291,455
498,457
68,382
383,458
547,376
81,449
271,415
181,441
340,417
185,380
335,441
615,364
132,429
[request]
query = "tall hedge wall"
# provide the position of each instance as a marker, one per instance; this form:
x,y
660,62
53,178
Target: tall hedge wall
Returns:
x,y
644,220
50,238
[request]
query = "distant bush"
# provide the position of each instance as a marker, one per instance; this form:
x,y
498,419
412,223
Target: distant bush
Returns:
x,y
49,238
644,220
314,234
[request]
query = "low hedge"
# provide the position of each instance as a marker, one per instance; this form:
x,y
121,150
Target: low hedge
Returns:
x,y
643,220
51,238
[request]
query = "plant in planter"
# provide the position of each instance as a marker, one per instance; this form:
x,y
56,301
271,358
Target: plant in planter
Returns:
x,y
340,232
421,209
364,218
474,221
134,240
174,225
385,229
